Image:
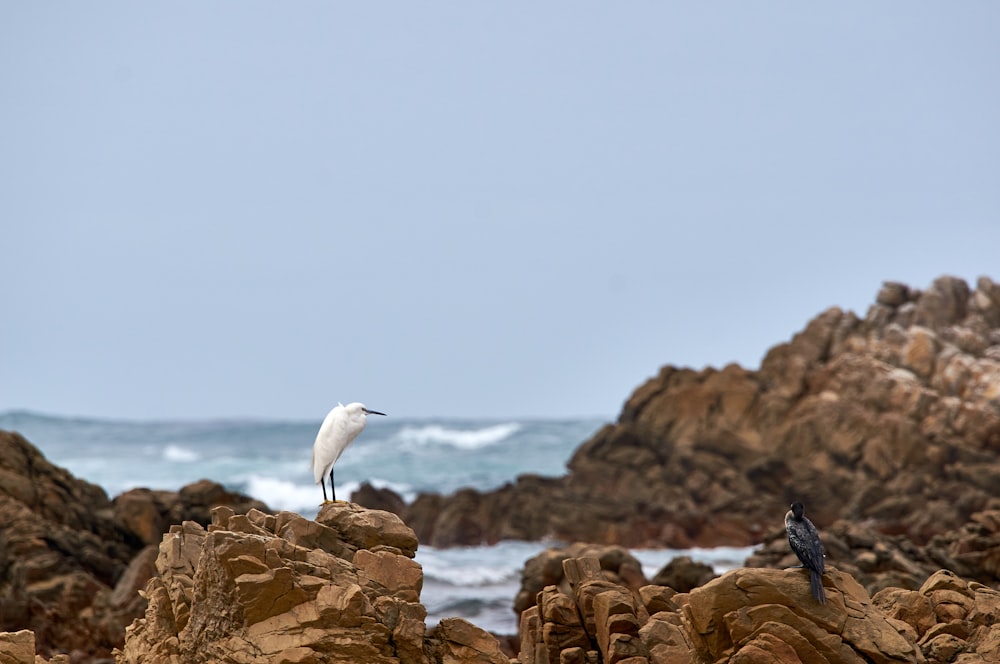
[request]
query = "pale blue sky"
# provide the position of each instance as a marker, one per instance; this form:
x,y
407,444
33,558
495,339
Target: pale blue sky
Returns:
x,y
468,208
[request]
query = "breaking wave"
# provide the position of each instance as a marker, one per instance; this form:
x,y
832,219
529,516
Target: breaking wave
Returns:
x,y
305,499
178,454
466,439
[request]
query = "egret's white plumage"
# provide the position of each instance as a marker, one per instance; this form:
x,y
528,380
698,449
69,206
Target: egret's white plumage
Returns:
x,y
339,429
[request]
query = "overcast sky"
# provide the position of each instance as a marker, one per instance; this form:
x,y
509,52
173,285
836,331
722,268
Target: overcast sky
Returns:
x,y
468,208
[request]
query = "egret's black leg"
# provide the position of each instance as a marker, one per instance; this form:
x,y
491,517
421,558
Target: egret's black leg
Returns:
x,y
322,483
333,491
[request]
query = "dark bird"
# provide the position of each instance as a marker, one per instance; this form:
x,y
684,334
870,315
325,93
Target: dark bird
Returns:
x,y
804,540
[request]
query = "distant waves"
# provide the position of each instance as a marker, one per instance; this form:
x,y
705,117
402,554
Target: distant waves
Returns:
x,y
178,454
467,439
270,461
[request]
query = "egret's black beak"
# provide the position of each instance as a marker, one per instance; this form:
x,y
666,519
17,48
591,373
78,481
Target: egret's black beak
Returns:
x,y
373,412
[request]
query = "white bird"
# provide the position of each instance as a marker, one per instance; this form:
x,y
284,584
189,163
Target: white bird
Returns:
x,y
341,426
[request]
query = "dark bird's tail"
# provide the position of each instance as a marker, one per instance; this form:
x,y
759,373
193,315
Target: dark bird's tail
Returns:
x,y
816,583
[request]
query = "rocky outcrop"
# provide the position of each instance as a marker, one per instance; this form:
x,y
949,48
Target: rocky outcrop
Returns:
x,y
72,561
617,566
19,648
759,615
149,513
878,561
282,589
952,619
892,420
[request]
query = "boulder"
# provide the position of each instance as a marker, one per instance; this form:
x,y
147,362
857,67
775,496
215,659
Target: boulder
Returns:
x,y
457,641
891,419
17,647
378,499
684,574
949,616
148,513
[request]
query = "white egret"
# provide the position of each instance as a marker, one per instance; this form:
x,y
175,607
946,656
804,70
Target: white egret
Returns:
x,y
341,426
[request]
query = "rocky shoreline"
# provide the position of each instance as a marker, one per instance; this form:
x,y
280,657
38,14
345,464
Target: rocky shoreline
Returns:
x,y
888,427
892,420
278,588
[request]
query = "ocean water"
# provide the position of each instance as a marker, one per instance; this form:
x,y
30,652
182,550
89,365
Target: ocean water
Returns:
x,y
269,460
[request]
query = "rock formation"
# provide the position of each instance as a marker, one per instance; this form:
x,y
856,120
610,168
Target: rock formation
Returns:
x,y
892,420
764,616
282,589
345,588
878,561
887,427
72,561
19,648
952,619
546,569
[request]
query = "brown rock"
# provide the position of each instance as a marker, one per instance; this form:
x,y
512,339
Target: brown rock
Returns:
x,y
893,294
73,561
569,565
63,553
457,640
148,514
614,614
763,615
384,499
880,561
240,591
684,574
891,420
365,529
17,647
265,588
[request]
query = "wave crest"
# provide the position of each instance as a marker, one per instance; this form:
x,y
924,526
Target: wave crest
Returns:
x,y
178,454
466,439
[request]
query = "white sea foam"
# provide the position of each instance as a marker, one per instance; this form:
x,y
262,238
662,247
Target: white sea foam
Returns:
x,y
479,583
270,462
304,499
178,454
470,573
467,439
282,494
478,565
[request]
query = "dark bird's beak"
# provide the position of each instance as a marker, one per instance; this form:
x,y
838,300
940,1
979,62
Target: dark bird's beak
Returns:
x,y
372,412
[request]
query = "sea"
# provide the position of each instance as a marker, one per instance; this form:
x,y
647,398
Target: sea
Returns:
x,y
270,460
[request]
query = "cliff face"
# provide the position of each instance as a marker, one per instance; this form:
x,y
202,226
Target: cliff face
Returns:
x,y
893,419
